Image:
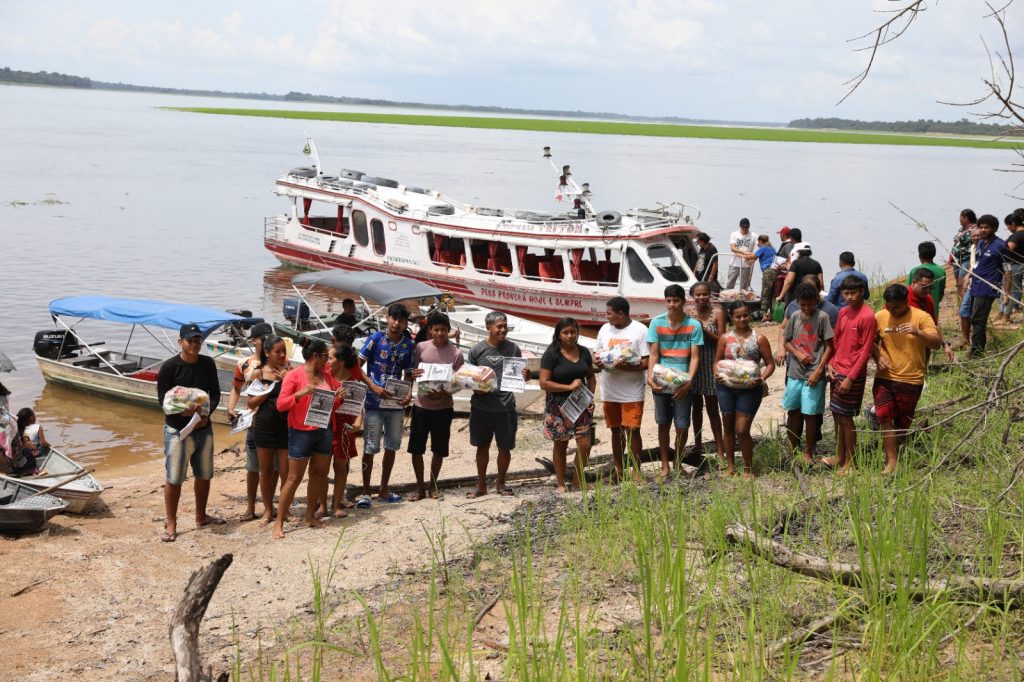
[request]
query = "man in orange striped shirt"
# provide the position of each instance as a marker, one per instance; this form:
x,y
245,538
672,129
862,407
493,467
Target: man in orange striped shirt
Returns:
x,y
673,338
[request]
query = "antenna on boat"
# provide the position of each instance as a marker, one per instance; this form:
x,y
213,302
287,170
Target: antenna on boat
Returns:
x,y
310,151
567,187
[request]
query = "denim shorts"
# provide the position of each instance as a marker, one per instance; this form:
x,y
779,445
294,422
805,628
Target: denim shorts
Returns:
x,y
386,422
196,449
743,400
668,410
810,400
965,304
304,444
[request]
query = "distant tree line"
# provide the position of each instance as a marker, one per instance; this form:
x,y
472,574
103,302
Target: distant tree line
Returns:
x,y
44,78
922,125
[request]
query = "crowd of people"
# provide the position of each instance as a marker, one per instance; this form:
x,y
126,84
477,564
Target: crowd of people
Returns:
x,y
829,337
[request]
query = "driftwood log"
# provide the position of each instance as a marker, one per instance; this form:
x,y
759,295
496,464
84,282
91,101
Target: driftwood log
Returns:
x,y
184,628
1009,593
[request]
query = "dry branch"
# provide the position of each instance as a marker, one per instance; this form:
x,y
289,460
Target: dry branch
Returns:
x,y
184,628
1008,593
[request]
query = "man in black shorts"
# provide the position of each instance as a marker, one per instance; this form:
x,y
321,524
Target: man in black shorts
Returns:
x,y
492,416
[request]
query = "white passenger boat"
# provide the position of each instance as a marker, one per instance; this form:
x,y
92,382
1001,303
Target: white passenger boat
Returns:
x,y
65,358
55,467
541,266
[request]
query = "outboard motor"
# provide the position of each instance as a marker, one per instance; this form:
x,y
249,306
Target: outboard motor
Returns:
x,y
236,330
55,344
295,311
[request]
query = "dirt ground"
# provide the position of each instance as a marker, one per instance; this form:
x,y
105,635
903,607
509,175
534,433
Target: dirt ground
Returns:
x,y
93,595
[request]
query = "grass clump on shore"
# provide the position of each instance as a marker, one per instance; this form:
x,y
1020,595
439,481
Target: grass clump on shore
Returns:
x,y
648,582
616,128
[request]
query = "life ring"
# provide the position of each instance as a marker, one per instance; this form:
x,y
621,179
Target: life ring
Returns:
x,y
608,219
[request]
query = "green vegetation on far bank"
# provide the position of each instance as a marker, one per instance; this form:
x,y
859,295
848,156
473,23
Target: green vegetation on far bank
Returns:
x,y
613,128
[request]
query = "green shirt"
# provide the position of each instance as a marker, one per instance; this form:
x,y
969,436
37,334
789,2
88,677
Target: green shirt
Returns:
x,y
938,286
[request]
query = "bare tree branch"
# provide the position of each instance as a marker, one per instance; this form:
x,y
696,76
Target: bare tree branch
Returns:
x,y
884,34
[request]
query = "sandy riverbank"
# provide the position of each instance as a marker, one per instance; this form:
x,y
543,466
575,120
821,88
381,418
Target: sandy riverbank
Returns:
x,y
103,586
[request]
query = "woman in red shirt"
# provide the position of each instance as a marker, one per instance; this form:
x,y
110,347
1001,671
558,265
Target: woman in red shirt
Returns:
x,y
309,443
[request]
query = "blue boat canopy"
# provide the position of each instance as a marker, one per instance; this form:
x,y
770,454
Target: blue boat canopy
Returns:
x,y
147,312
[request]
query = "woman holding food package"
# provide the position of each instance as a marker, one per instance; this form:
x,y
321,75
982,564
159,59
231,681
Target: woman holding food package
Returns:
x,y
741,384
705,391
565,368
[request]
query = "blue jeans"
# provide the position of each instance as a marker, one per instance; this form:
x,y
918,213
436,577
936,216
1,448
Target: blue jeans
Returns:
x,y
196,449
1016,277
382,422
670,411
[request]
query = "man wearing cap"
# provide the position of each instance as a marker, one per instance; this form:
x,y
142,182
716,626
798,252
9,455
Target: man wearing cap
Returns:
x,y
190,370
741,243
800,268
245,372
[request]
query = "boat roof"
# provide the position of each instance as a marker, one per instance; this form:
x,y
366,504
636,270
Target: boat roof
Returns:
x,y
145,312
373,286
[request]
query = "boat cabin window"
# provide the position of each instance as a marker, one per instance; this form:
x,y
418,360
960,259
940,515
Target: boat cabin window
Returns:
x,y
638,272
543,265
590,266
359,227
448,252
666,260
686,247
377,228
333,224
491,257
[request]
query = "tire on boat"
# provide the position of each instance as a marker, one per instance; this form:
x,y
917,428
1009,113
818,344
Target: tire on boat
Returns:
x,y
608,219
441,209
351,174
494,212
385,182
303,172
417,190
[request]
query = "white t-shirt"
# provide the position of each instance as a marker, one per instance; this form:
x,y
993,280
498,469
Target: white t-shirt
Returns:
x,y
743,242
619,386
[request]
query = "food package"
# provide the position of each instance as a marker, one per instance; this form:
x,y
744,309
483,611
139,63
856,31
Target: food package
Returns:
x,y
426,388
609,356
730,295
475,378
181,398
738,373
669,378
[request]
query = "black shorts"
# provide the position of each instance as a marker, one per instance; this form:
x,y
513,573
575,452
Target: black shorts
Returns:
x,y
498,426
434,423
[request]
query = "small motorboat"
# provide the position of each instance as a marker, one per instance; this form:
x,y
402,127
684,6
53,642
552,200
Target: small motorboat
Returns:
x,y
23,510
55,467
64,357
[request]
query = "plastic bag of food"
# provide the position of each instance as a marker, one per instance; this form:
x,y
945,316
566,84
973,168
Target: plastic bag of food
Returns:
x,y
670,378
181,398
475,378
730,295
426,388
738,373
625,352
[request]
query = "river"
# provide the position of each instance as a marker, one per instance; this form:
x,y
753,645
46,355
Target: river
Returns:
x,y
106,193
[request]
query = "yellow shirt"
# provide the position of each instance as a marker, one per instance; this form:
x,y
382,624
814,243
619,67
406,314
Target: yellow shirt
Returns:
x,y
905,353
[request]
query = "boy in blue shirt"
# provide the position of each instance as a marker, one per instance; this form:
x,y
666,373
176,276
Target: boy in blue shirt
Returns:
x,y
765,255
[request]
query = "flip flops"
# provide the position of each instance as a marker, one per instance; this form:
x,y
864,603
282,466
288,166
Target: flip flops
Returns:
x,y
391,498
364,502
168,537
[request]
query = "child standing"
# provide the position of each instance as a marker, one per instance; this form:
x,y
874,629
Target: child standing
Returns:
x,y
765,255
807,339
432,414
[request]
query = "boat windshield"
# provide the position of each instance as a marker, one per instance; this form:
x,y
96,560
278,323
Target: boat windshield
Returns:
x,y
666,260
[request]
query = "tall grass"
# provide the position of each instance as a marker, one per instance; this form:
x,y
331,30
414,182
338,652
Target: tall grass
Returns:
x,y
638,582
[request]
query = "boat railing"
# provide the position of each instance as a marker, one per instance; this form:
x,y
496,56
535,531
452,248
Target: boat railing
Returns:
x,y
274,227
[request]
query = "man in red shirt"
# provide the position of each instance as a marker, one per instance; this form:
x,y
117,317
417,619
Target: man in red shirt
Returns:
x,y
854,338
919,296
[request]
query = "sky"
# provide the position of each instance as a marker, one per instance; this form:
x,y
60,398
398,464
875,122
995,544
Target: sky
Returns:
x,y
737,60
